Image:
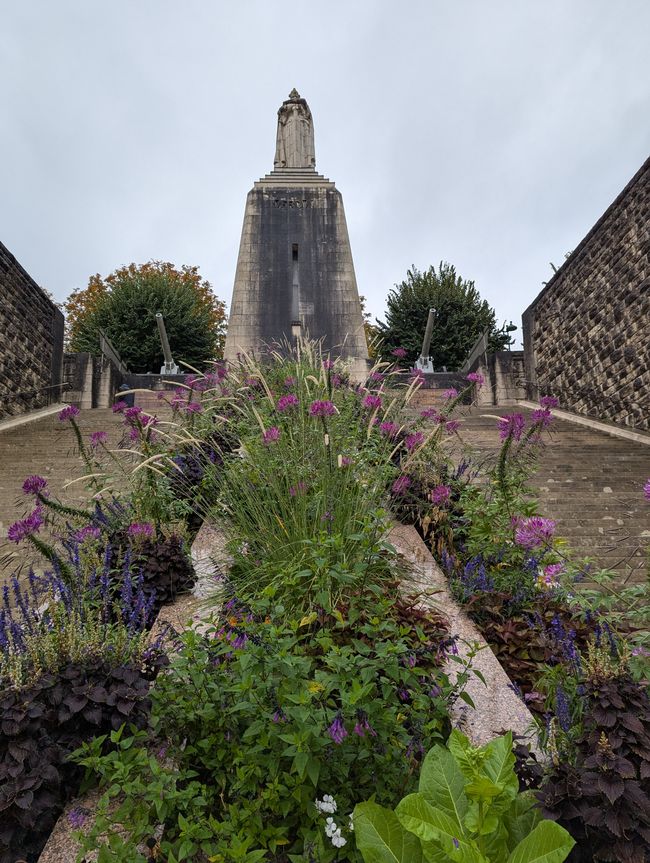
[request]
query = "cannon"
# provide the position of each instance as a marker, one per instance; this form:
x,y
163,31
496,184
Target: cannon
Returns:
x,y
169,367
424,362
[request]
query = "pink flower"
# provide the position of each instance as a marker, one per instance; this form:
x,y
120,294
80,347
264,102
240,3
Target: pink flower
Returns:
x,y
439,494
554,569
475,378
429,414
322,409
328,364
646,490
534,531
88,532
451,393
512,426
389,429
271,435
193,408
287,402
346,461
297,489
401,484
337,381
413,441
34,485
542,417
452,426
399,352
141,530
549,401
372,402
19,530
69,413
97,438
376,376
289,382
119,407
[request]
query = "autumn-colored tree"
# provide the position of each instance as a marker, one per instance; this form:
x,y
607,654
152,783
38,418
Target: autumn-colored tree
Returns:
x,y
124,305
373,336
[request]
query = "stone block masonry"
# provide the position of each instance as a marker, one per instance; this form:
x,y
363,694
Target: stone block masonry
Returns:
x,y
31,341
587,334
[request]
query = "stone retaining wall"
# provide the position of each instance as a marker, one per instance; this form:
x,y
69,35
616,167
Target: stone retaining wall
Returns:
x,y
31,341
587,334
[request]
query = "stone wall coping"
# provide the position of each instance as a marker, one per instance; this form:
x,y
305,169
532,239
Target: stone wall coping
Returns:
x,y
596,425
32,416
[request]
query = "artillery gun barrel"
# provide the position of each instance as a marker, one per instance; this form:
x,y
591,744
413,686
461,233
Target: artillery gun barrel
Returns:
x,y
164,340
426,342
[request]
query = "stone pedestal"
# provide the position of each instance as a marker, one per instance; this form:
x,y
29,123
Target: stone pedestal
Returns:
x,y
295,271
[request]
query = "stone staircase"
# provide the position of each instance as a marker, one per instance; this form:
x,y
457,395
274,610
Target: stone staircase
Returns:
x,y
46,447
589,481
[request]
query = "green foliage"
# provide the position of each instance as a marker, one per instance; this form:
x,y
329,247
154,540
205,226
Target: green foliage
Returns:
x,y
461,317
467,808
262,716
124,306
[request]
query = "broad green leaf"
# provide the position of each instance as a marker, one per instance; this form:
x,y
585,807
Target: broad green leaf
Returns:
x,y
442,783
434,827
520,818
499,764
548,843
483,787
463,752
381,838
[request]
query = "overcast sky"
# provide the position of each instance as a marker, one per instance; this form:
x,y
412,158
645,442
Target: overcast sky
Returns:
x,y
488,133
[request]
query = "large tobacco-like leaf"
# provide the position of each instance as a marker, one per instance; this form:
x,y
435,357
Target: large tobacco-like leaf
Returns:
x,y
381,838
548,843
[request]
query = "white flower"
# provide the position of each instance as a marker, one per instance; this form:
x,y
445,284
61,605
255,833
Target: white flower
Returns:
x,y
351,824
330,828
327,804
337,840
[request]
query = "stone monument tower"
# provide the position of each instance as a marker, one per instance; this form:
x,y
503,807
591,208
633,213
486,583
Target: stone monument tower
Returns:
x,y
295,275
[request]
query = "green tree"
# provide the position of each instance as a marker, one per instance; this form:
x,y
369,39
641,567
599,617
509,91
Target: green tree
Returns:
x,y
461,317
124,305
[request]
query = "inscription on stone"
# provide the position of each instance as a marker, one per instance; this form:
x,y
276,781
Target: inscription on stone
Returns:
x,y
293,203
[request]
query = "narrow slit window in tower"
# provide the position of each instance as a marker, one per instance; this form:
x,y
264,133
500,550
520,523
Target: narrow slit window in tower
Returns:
x,y
294,252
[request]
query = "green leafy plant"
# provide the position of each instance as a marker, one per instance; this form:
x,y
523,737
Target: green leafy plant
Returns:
x,y
467,808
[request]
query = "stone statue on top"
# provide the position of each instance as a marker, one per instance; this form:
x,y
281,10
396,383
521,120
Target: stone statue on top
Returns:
x,y
294,146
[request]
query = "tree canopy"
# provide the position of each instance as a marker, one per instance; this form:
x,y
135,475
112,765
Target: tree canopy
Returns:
x,y
124,305
461,317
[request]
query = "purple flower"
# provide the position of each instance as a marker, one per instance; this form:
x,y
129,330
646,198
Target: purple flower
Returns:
x,y
376,376
193,408
142,530
346,461
553,569
475,378
399,352
20,530
337,730
77,817
401,484
279,716
133,413
372,402
429,414
363,726
451,426
451,393
328,364
389,429
413,441
562,710
87,532
321,409
337,381
646,490
69,413
120,406
440,494
512,426
298,488
34,485
534,531
549,401
287,402
98,437
542,417
271,435
289,382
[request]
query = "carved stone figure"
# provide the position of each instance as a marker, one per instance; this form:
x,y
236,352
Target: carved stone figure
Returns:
x,y
294,146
